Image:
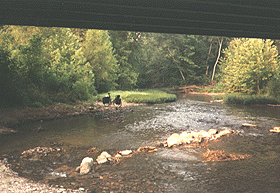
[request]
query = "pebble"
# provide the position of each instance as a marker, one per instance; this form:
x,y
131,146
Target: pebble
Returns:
x,y
11,182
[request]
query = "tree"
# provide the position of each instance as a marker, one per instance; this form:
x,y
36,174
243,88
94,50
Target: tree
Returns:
x,y
10,94
165,60
220,41
99,53
48,62
248,65
121,41
69,72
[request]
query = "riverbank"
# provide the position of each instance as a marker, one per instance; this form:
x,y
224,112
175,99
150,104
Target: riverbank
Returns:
x,y
9,180
13,116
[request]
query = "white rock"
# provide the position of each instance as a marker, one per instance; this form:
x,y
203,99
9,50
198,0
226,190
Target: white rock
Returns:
x,y
223,132
275,130
186,137
212,131
101,160
125,152
104,154
174,139
195,134
103,157
118,155
86,165
204,134
249,125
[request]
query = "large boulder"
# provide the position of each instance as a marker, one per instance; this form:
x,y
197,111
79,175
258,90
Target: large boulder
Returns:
x,y
103,157
174,139
185,137
86,165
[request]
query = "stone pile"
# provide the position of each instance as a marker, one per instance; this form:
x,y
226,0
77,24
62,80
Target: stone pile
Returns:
x,y
40,150
194,137
174,140
105,157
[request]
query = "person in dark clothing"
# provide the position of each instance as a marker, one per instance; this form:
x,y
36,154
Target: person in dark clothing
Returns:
x,y
118,100
107,99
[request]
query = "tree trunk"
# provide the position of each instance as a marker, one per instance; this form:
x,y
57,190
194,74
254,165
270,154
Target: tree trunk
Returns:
x,y
218,57
207,67
176,64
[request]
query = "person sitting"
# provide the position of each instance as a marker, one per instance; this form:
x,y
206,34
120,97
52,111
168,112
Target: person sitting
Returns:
x,y
118,100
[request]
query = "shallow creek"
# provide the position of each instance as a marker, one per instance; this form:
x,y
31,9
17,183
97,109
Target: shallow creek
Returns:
x,y
168,169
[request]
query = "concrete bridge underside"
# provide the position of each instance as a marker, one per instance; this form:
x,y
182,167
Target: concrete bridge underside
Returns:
x,y
231,18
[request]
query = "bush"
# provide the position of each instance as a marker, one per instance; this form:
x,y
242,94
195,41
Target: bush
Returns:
x,y
248,65
10,84
249,99
274,88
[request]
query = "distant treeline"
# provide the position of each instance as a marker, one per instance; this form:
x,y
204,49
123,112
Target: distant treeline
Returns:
x,y
44,65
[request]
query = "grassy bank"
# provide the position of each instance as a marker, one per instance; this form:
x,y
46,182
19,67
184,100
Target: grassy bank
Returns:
x,y
249,99
143,96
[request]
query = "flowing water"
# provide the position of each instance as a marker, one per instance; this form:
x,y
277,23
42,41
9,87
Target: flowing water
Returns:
x,y
167,170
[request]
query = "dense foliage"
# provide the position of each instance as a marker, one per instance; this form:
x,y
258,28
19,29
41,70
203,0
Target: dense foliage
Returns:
x,y
44,65
99,53
173,59
47,64
238,98
126,73
249,65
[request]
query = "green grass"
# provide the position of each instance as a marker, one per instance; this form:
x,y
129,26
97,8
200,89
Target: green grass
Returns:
x,y
237,98
144,96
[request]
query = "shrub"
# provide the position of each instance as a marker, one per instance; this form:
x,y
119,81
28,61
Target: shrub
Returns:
x,y
249,99
274,88
248,65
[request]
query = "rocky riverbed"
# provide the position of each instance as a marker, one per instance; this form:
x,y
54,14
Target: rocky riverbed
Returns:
x,y
9,180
